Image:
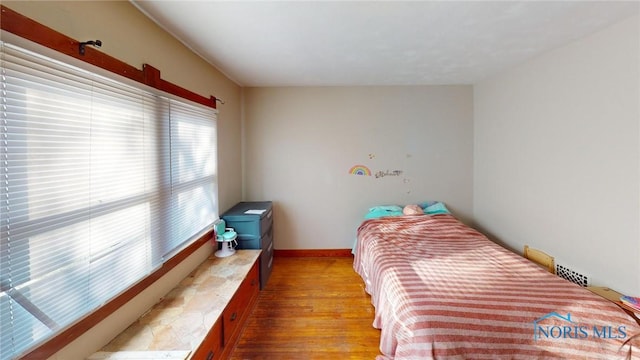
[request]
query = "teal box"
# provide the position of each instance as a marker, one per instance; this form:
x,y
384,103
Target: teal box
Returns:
x,y
253,222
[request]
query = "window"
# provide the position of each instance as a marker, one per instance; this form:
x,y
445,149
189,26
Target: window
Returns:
x,y
101,183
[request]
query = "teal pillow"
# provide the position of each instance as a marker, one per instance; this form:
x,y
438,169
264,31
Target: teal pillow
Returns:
x,y
437,208
426,204
383,210
379,214
386,208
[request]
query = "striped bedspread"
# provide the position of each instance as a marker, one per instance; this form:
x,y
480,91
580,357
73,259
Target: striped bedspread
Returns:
x,y
441,290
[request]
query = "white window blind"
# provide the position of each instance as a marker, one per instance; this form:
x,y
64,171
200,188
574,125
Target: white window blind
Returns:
x,y
100,183
193,171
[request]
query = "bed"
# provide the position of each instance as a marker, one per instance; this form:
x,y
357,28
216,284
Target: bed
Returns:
x,y
442,290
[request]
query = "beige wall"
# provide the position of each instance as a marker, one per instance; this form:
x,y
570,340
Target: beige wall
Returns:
x,y
557,155
131,37
301,142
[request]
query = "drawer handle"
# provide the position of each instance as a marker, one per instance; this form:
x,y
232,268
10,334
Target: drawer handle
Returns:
x,y
233,316
270,247
210,355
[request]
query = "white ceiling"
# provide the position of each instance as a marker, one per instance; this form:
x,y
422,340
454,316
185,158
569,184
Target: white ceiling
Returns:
x,y
338,43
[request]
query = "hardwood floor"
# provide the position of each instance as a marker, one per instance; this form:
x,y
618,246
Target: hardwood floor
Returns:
x,y
311,308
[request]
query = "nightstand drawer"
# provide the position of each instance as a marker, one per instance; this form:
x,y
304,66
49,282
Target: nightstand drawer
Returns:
x,y
266,263
249,242
245,227
267,240
266,222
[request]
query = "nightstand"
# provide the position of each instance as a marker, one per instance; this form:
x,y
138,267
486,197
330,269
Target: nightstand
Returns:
x,y
614,297
253,222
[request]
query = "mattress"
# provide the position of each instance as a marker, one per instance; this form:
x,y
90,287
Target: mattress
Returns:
x,y
442,290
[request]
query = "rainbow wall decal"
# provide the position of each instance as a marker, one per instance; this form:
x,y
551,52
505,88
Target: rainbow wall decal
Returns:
x,y
360,170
